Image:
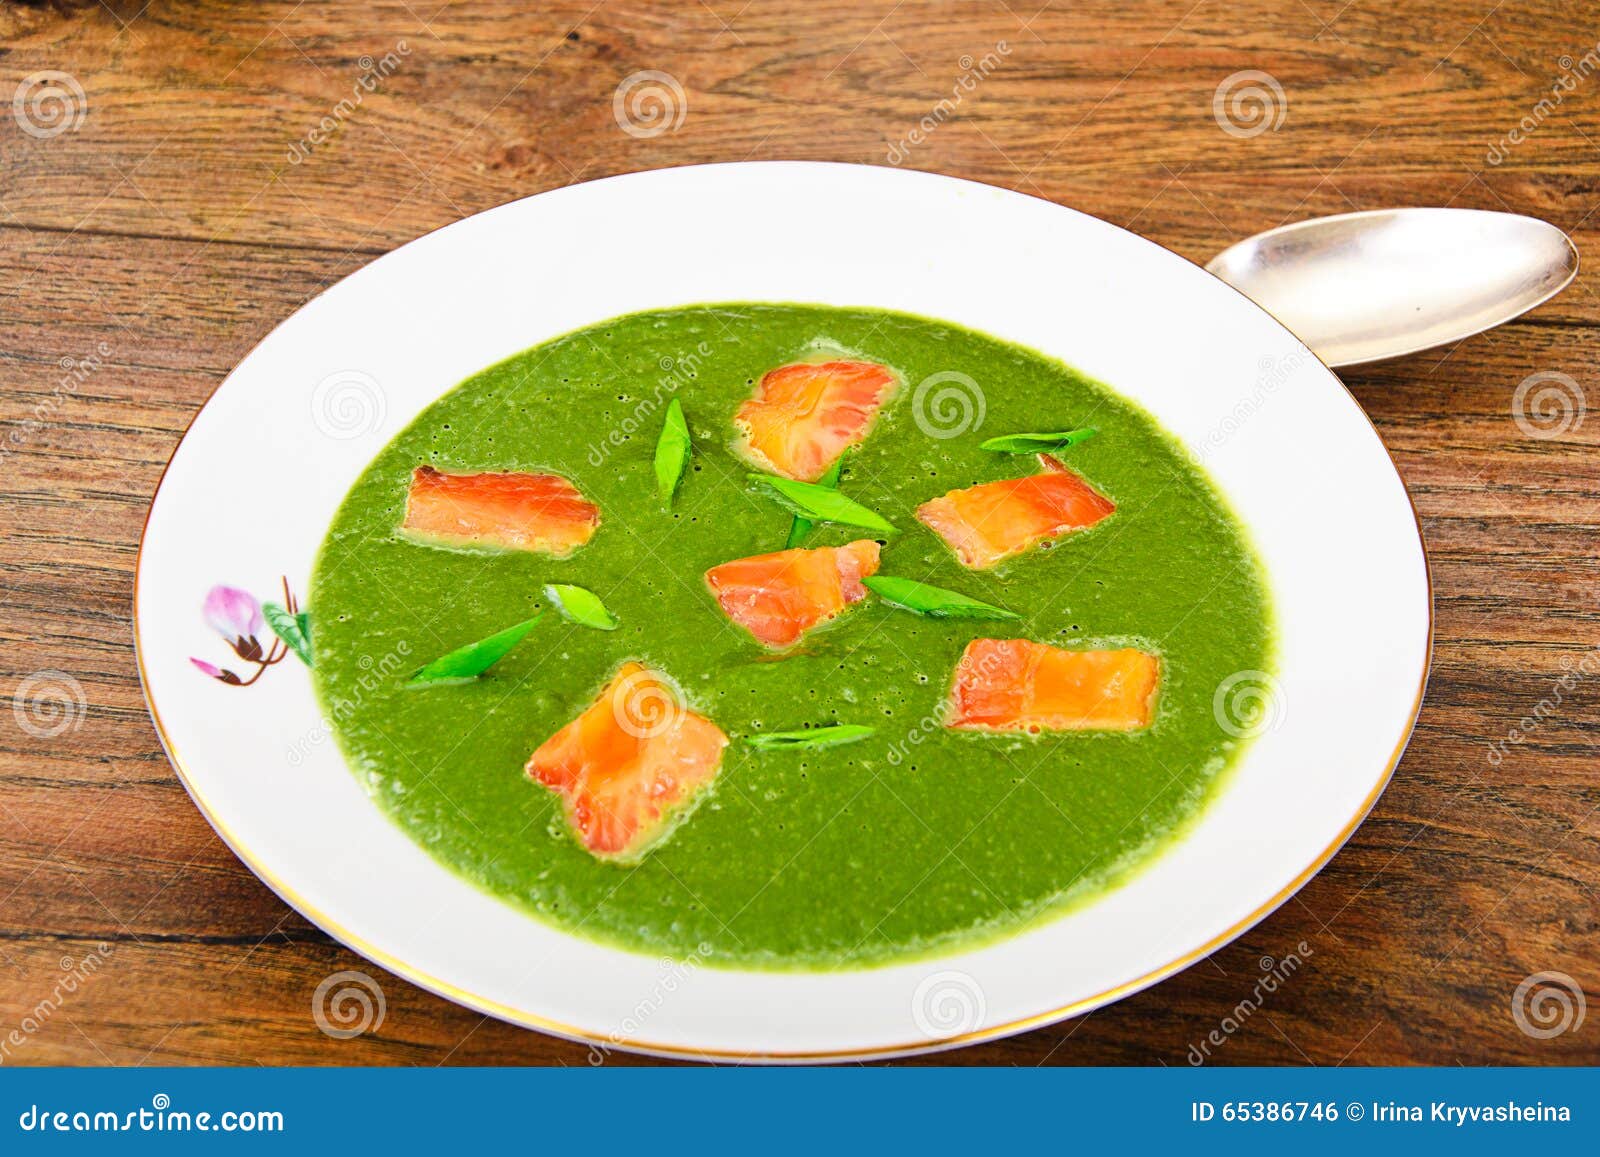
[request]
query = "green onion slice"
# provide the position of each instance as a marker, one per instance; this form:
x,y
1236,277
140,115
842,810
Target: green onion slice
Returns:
x,y
465,663
672,451
935,602
1037,443
810,737
580,606
822,504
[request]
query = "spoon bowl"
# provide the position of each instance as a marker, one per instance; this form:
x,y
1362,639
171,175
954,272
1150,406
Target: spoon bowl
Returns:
x,y
1362,287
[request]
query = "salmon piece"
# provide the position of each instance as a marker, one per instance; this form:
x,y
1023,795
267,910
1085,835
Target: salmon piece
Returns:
x,y
990,522
1018,685
629,766
537,512
803,416
779,597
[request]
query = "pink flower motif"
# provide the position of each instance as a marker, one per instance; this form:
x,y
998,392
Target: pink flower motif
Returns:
x,y
232,613
215,671
236,615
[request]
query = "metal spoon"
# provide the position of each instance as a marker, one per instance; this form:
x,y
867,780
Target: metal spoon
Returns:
x,y
1360,287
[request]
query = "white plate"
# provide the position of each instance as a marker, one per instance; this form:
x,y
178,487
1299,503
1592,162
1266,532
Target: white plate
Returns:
x,y
253,485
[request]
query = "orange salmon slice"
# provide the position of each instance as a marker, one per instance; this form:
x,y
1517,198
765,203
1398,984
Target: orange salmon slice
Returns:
x,y
498,511
779,597
628,768
805,415
991,522
1018,685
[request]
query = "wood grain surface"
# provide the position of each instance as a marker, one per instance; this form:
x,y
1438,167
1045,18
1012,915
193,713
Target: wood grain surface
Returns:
x,y
148,244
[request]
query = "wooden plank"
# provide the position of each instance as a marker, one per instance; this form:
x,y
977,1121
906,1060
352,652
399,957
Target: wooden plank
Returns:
x,y
1101,106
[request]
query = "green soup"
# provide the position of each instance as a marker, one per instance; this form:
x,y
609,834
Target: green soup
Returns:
x,y
918,839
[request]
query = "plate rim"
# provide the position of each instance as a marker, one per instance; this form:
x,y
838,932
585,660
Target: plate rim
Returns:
x,y
608,1042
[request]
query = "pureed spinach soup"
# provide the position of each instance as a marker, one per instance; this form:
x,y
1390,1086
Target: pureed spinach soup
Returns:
x,y
792,762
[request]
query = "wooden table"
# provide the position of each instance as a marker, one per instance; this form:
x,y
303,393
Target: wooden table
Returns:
x,y
152,241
